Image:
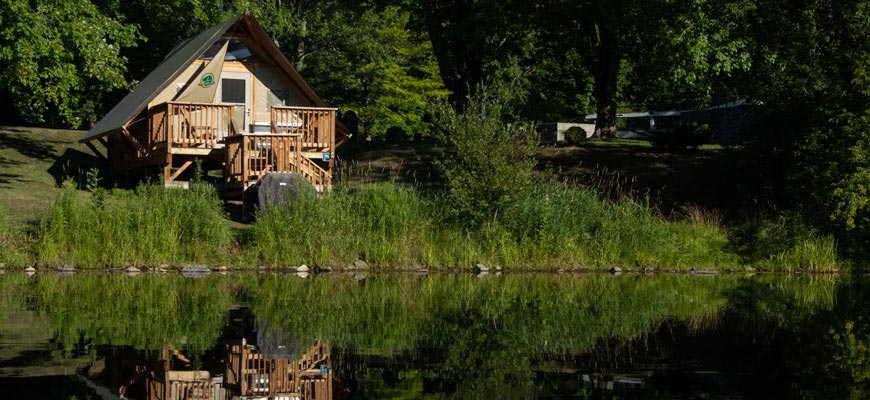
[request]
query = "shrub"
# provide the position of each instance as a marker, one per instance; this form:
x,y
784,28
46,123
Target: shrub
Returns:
x,y
575,135
395,134
680,137
493,160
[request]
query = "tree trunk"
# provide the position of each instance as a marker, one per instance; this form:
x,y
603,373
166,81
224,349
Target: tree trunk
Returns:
x,y
605,71
458,49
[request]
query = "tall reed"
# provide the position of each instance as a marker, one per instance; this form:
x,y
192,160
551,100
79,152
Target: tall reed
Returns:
x,y
558,226
148,226
15,243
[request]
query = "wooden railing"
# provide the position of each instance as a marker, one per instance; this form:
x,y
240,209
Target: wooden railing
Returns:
x,y
191,390
254,375
199,125
316,125
249,157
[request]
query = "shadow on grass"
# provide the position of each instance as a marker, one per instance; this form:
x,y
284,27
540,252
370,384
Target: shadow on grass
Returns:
x,y
73,165
27,147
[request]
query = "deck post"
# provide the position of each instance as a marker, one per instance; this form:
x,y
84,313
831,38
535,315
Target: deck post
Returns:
x,y
167,169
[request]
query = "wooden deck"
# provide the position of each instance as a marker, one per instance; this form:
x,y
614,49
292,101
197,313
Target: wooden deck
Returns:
x,y
175,134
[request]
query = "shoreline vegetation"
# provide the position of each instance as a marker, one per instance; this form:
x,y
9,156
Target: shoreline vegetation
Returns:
x,y
491,207
391,226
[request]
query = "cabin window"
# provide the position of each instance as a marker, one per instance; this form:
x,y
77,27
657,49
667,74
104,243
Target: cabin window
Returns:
x,y
233,91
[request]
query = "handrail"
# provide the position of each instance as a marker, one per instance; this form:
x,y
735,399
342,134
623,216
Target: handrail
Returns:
x,y
306,108
316,125
250,156
188,124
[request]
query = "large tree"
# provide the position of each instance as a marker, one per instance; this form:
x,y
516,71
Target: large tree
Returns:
x,y
650,53
480,45
57,59
366,58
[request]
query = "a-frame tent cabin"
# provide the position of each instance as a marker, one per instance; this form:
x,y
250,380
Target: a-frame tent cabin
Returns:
x,y
227,96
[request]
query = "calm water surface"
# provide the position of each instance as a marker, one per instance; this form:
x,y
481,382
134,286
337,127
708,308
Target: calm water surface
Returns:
x,y
91,336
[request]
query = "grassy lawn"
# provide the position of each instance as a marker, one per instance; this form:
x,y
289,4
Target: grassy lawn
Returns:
x,y
34,161
708,176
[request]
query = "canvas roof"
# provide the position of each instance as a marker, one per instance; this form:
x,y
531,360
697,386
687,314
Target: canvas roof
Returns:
x,y
182,56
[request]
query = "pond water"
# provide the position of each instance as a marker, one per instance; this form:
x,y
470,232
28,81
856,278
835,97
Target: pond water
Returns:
x,y
89,336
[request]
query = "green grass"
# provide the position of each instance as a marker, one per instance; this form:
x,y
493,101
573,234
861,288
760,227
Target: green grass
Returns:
x,y
33,161
14,242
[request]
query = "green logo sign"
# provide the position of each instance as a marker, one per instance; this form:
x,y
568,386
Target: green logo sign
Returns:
x,y
207,80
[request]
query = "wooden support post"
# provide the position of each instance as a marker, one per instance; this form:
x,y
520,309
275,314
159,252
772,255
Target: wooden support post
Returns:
x,y
180,170
103,142
96,152
167,169
166,367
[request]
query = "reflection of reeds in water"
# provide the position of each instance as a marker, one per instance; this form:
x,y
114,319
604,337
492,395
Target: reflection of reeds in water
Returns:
x,y
145,312
532,314
498,320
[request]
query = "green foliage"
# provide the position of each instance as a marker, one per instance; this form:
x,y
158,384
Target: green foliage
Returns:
x,y
575,135
812,139
165,24
148,226
57,59
851,352
785,243
680,137
493,160
367,59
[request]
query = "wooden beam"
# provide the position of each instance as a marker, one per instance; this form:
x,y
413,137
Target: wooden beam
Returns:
x,y
96,152
196,152
103,142
180,170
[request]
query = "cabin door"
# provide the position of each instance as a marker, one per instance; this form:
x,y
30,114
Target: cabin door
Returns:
x,y
235,88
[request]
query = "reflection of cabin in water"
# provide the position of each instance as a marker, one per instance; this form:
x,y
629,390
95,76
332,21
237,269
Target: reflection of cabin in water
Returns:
x,y
230,98
249,374
250,362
